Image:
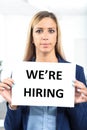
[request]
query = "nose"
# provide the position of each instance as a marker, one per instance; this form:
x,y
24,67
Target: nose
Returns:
x,y
45,35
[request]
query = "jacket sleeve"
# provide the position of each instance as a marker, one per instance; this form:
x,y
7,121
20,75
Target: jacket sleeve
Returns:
x,y
13,119
78,115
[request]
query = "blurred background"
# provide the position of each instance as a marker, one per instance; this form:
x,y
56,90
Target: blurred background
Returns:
x,y
15,16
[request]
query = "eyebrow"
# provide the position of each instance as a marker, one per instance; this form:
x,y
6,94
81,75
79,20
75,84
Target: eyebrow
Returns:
x,y
43,28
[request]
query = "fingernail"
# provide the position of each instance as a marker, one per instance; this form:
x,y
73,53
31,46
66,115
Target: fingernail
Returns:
x,y
78,90
82,95
8,87
3,88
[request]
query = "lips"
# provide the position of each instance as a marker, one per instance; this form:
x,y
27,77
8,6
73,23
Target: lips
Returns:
x,y
45,45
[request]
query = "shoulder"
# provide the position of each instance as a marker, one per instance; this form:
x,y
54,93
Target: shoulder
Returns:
x,y
79,72
79,68
61,60
80,75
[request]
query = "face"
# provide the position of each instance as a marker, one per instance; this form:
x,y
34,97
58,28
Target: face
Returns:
x,y
45,36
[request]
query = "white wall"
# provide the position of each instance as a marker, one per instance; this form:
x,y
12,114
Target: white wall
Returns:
x,y
74,37
74,33
13,38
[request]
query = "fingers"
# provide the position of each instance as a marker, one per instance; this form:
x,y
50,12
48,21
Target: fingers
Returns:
x,y
79,84
80,91
6,84
6,89
83,91
80,87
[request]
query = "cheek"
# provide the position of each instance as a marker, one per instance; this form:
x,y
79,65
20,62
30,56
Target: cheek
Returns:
x,y
36,41
54,39
35,38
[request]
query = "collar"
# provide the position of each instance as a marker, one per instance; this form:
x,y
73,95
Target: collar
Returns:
x,y
60,59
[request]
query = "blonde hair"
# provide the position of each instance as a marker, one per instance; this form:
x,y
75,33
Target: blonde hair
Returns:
x,y
30,48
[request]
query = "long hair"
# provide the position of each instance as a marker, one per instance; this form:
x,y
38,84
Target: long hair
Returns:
x,y
30,48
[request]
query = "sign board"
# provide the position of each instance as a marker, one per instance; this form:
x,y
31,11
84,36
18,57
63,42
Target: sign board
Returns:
x,y
43,84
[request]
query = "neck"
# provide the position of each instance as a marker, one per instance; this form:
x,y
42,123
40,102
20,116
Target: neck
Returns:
x,y
46,58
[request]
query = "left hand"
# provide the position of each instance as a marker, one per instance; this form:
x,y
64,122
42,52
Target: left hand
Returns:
x,y
80,92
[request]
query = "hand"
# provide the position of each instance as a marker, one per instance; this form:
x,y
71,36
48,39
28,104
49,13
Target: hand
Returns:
x,y
80,92
6,89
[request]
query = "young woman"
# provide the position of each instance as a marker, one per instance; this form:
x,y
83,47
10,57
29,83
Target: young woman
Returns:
x,y
44,45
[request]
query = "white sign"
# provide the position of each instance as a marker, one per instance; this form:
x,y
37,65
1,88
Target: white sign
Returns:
x,y
43,84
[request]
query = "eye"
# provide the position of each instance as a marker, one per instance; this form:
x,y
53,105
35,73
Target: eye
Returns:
x,y
39,31
51,30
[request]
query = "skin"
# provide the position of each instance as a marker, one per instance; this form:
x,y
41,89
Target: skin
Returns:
x,y
44,39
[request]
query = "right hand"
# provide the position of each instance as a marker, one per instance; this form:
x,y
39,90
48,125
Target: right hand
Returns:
x,y
6,89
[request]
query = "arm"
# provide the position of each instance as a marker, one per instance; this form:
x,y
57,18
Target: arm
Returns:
x,y
78,115
13,119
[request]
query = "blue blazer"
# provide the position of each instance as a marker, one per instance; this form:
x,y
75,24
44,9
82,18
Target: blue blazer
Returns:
x,y
67,118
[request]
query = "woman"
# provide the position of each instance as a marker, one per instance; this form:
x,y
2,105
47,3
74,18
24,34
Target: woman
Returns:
x,y
44,45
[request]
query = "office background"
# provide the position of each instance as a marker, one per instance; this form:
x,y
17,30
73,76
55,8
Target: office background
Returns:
x,y
14,21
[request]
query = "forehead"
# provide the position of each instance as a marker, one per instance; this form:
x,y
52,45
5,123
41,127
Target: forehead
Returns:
x,y
46,22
